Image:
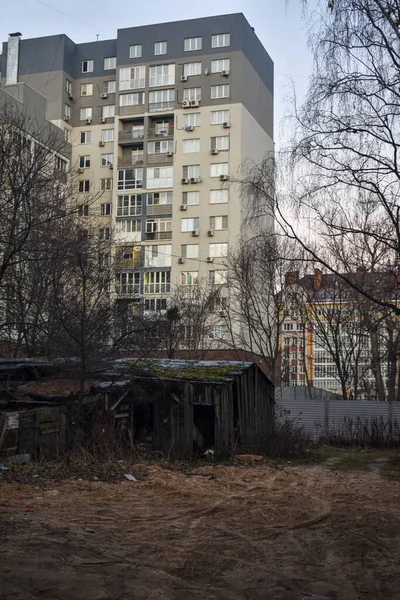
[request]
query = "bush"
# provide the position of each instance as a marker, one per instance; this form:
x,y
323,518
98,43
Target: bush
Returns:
x,y
289,440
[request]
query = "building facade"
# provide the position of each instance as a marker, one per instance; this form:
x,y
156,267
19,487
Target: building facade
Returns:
x,y
159,119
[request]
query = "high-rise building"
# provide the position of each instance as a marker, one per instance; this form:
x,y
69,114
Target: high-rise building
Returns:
x,y
159,119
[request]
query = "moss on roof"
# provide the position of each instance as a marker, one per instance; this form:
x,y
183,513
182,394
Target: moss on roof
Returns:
x,y
189,370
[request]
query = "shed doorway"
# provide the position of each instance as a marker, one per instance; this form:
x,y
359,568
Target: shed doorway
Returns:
x,y
204,420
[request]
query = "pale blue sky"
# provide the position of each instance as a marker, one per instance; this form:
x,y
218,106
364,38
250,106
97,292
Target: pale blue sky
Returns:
x,y
280,29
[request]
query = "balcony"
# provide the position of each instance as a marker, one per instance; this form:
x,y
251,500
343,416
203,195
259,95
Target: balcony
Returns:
x,y
159,209
161,106
159,158
124,162
130,137
164,132
127,291
158,235
126,111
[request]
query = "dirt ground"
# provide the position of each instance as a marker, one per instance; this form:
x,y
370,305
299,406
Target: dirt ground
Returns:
x,y
226,532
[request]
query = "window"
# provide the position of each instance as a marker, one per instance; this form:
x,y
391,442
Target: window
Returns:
x,y
160,147
129,226
190,69
129,206
219,116
218,169
161,100
159,177
127,283
83,210
191,198
137,132
191,145
190,251
162,127
221,64
86,113
87,66
191,44
217,250
66,134
107,135
189,278
217,277
131,99
106,184
157,256
110,63
109,87
218,223
219,331
60,164
86,137
220,142
160,75
67,111
158,226
219,91
135,51
160,48
84,162
155,304
192,94
107,160
105,209
191,120
189,224
159,198
288,327
286,341
219,196
84,186
132,78
130,179
220,40
108,111
87,89
157,282
68,86
190,171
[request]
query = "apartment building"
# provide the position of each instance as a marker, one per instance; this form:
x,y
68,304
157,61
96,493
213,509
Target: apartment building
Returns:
x,y
158,119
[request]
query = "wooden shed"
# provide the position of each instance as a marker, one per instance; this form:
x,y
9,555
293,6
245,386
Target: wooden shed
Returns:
x,y
181,406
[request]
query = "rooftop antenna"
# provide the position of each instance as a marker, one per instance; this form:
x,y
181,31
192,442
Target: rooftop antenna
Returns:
x,y
97,37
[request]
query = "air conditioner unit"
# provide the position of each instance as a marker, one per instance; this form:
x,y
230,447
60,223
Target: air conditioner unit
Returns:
x,y
184,180
209,259
183,207
225,73
185,103
210,233
66,117
195,103
181,261
195,180
101,144
184,78
214,151
189,128
195,232
80,170
206,71
169,154
226,125
102,120
223,177
71,97
104,95
88,120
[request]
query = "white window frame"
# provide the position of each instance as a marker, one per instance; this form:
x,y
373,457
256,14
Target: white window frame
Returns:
x,y
107,135
110,87
219,222
220,196
192,44
218,277
219,116
84,161
136,51
85,184
191,145
189,277
218,169
157,282
220,40
67,110
129,205
130,99
86,113
159,198
192,94
132,78
106,184
191,198
192,120
220,64
192,69
110,63
160,146
190,171
107,159
218,250
134,183
86,89
190,251
105,209
189,224
89,65
220,91
159,177
108,111
160,48
161,75
220,143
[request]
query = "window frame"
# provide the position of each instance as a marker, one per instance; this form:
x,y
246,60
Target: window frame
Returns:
x,y
216,38
216,88
86,85
90,62
136,55
185,49
114,63
158,45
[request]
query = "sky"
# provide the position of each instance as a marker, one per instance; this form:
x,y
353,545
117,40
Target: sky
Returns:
x,y
277,23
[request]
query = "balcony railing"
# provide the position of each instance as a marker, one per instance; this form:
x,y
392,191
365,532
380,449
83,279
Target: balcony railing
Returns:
x,y
161,106
130,136
167,131
126,111
127,161
157,288
159,158
158,235
159,209
127,290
